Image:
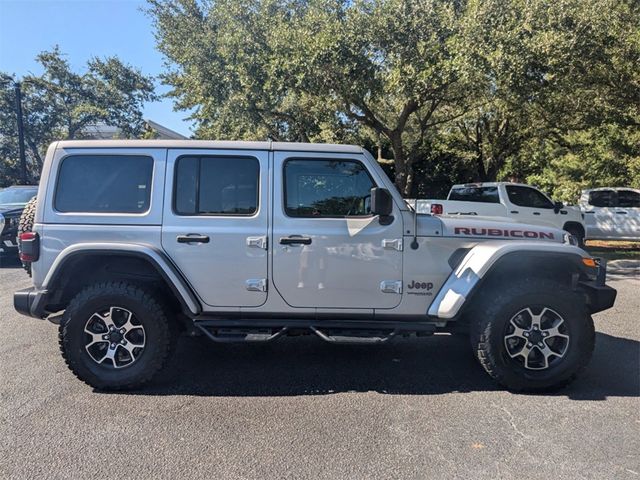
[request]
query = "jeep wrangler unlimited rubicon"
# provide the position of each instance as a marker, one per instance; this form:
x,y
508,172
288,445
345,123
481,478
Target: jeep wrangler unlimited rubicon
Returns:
x,y
136,241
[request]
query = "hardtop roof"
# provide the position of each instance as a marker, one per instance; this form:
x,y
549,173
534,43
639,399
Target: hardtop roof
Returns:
x,y
211,144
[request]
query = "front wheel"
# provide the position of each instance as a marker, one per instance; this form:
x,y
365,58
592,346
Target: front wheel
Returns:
x,y
115,335
533,335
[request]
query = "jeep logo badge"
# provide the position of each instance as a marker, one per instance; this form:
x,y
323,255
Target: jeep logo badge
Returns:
x,y
420,285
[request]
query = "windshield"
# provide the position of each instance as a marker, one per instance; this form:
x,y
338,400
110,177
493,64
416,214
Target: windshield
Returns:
x,y
17,196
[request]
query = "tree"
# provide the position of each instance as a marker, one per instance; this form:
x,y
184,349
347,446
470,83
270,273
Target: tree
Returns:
x,y
320,69
453,90
62,104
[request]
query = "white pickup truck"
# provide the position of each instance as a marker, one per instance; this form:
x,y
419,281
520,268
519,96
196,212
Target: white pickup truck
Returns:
x,y
513,201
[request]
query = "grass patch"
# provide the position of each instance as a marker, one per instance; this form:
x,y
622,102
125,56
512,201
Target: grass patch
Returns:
x,y
614,250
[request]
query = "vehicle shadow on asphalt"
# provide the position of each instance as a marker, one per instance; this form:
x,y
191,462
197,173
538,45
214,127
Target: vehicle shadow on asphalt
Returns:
x,y
10,262
308,366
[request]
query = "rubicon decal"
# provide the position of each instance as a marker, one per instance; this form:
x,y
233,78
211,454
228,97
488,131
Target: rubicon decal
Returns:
x,y
499,232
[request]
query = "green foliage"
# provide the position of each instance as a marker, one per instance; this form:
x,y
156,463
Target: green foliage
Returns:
x,y
62,104
454,91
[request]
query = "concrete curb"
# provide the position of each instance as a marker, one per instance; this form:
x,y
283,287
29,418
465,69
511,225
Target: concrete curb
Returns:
x,y
626,267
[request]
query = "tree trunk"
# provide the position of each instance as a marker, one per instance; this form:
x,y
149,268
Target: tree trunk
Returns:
x,y
481,172
403,166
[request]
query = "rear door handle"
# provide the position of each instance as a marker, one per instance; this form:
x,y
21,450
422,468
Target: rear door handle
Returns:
x,y
621,213
192,238
514,211
295,240
536,213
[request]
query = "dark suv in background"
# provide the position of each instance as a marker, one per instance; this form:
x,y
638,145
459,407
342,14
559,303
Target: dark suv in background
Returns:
x,y
12,202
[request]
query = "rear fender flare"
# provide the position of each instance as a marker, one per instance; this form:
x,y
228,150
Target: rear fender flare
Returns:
x,y
156,258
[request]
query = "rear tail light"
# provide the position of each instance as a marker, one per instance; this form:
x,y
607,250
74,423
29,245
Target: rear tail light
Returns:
x,y
29,246
436,209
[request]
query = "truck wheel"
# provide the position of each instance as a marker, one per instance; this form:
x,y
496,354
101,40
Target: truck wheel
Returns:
x,y
577,232
534,335
115,336
26,225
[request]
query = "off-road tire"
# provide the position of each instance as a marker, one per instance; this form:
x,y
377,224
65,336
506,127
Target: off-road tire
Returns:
x,y
496,308
578,233
148,310
26,225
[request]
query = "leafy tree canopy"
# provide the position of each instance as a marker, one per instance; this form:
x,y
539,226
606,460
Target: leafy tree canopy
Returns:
x,y
63,104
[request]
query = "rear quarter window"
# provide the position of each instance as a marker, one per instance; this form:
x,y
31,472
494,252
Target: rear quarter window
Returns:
x,y
104,184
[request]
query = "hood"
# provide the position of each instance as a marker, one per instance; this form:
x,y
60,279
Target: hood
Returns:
x,y
8,209
497,229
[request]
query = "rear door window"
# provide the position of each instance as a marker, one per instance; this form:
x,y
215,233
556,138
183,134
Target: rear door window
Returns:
x,y
628,199
208,185
602,198
104,184
475,194
527,197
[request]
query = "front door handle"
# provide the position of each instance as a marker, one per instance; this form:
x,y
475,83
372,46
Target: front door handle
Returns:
x,y
295,240
192,238
621,212
515,211
536,213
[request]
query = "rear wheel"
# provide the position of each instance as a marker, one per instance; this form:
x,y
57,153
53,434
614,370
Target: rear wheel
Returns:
x,y
115,335
533,335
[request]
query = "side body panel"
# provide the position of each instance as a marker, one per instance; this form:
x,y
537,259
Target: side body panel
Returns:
x,y
60,230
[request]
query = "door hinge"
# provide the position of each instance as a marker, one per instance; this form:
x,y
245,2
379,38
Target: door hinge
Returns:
x,y
392,244
391,286
256,284
257,242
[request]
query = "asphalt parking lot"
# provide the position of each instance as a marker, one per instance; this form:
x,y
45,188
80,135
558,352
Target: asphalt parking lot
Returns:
x,y
301,408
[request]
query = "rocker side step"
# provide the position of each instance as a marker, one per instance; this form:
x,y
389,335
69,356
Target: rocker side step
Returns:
x,y
332,331
234,335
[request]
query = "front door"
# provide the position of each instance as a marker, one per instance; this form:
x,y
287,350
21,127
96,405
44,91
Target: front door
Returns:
x,y
529,205
215,223
328,250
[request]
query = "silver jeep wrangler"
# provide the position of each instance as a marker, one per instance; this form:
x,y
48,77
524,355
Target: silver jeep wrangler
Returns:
x,y
137,242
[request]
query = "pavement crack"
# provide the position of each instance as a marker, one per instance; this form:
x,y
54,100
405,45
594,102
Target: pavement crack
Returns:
x,y
511,421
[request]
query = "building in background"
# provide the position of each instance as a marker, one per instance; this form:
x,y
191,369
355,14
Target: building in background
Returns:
x,y
102,131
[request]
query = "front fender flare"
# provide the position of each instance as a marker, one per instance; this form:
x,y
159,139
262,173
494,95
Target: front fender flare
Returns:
x,y
479,261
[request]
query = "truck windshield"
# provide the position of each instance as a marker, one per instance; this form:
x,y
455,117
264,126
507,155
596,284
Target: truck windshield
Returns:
x,y
475,194
17,196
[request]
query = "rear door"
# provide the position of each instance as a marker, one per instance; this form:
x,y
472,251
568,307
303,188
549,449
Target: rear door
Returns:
x,y
215,223
329,251
529,205
628,213
599,215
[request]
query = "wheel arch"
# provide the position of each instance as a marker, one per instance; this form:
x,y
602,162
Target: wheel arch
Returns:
x,y
82,264
573,224
485,266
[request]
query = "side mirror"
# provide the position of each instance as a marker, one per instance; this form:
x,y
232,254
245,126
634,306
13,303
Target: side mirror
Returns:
x,y
381,202
557,206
